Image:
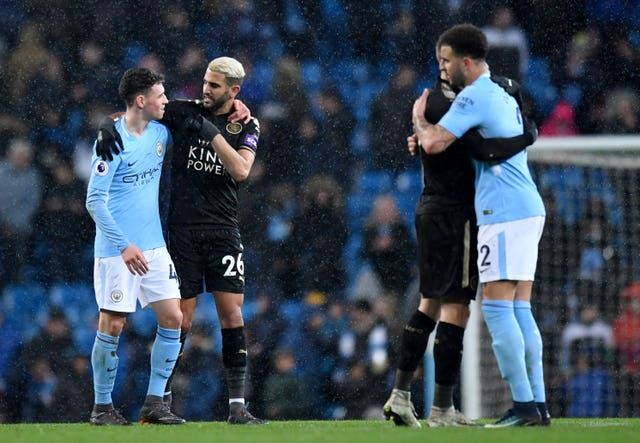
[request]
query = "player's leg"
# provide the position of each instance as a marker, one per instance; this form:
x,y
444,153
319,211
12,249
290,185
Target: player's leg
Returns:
x,y
502,263
459,286
533,348
413,344
447,354
159,289
185,248
415,336
224,276
234,355
116,295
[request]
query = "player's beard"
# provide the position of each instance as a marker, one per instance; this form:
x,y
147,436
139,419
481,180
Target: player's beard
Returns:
x,y
218,103
457,80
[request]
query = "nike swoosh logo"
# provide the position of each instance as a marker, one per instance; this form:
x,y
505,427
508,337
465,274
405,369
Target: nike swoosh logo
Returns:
x,y
132,163
111,369
168,360
482,270
242,351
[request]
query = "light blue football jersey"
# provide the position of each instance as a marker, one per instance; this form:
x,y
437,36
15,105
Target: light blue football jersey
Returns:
x,y
505,191
122,195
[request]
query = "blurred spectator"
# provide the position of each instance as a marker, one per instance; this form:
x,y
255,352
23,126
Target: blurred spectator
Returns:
x,y
280,119
361,379
622,112
201,374
390,122
73,396
402,36
24,62
265,331
66,227
320,236
388,245
590,389
599,246
40,385
561,122
337,124
41,364
626,329
626,332
508,44
9,346
366,28
281,265
21,185
589,328
286,394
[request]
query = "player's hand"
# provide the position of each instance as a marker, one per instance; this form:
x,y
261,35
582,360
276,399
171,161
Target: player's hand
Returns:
x,y
135,260
241,112
203,127
530,131
419,106
412,145
108,141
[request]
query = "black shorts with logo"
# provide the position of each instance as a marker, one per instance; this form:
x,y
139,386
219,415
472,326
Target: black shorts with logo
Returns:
x,y
447,253
209,256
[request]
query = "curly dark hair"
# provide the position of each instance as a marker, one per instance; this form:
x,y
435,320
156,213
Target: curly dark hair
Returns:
x,y
137,81
466,40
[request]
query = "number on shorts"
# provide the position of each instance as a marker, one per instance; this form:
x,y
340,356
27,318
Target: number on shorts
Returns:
x,y
234,266
172,273
484,249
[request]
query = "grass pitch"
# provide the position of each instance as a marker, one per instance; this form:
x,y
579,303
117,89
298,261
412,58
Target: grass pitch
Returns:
x,y
561,431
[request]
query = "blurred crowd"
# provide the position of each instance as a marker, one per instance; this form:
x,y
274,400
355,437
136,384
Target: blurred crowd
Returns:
x,y
326,214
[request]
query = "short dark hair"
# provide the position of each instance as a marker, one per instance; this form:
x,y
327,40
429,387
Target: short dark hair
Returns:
x,y
137,81
465,40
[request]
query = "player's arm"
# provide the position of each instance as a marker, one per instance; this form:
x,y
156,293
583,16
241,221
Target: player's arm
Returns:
x,y
237,163
96,204
433,138
500,149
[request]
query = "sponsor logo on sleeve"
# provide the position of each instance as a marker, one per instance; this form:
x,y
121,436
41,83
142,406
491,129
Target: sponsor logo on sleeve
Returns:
x,y
251,141
102,168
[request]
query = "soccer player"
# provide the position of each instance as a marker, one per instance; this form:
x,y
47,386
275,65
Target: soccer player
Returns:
x,y
211,156
131,259
509,211
446,232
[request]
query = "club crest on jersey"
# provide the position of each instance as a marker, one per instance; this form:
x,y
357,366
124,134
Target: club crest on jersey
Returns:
x,y
159,149
117,296
234,128
102,168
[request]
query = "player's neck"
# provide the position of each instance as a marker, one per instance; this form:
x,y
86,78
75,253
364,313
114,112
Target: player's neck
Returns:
x,y
135,122
476,70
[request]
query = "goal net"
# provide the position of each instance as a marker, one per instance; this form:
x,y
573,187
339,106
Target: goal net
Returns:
x,y
583,295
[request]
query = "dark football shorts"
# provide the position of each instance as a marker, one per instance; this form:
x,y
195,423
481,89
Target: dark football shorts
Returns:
x,y
447,254
209,256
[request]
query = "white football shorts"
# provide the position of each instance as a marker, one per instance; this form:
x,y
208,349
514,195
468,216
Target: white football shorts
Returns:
x,y
117,289
509,250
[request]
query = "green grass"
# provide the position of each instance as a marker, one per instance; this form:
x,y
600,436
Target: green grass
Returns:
x,y
561,431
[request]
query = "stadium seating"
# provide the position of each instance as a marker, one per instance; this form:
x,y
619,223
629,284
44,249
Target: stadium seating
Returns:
x,y
26,307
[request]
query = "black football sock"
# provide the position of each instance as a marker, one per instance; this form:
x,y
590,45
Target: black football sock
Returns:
x,y
413,344
447,355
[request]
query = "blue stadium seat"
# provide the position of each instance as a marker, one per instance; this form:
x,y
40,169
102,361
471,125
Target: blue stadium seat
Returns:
x,y
374,181
78,303
26,307
312,77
